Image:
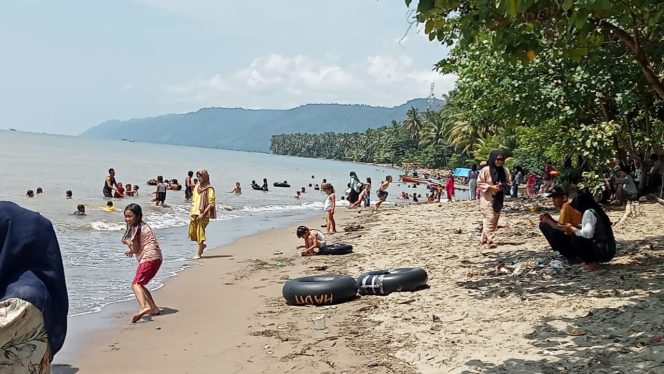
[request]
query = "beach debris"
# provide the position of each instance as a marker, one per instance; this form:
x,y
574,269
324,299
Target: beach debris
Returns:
x,y
278,253
577,332
319,322
457,231
278,264
354,226
435,318
319,267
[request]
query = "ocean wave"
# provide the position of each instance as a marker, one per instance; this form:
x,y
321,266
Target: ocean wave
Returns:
x,y
279,208
107,226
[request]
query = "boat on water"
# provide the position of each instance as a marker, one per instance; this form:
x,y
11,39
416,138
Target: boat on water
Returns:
x,y
416,180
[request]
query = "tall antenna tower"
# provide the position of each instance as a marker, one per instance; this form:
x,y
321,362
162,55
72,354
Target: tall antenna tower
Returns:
x,y
430,98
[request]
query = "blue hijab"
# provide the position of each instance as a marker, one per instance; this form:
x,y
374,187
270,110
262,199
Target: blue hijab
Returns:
x,y
31,268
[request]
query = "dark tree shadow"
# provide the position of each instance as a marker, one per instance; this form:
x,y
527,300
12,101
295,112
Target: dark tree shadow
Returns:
x,y
63,369
628,338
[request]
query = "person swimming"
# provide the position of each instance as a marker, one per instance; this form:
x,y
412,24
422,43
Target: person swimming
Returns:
x,y
30,193
80,210
109,206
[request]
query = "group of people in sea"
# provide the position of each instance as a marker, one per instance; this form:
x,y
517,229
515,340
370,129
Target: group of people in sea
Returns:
x,y
115,189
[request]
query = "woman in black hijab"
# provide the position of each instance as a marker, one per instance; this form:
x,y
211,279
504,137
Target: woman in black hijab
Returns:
x,y
593,242
355,188
494,182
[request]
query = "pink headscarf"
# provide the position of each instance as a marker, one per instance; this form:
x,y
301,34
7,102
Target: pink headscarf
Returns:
x,y
203,186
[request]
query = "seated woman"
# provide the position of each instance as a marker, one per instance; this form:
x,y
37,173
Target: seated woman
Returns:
x,y
313,240
593,242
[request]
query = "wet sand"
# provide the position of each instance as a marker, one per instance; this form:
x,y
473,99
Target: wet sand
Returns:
x,y
486,311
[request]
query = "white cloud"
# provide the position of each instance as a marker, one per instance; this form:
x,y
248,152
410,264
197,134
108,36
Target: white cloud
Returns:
x,y
278,81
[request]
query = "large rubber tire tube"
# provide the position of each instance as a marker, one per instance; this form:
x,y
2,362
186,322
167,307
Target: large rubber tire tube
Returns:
x,y
320,290
336,249
384,282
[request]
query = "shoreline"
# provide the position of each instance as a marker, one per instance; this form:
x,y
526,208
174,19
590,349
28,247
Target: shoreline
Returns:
x,y
471,318
88,330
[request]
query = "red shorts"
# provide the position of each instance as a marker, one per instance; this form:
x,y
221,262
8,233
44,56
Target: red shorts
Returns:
x,y
146,271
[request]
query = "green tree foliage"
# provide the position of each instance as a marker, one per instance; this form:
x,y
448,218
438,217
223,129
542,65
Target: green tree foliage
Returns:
x,y
517,27
552,80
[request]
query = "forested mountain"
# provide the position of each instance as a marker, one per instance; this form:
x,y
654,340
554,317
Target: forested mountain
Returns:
x,y
251,130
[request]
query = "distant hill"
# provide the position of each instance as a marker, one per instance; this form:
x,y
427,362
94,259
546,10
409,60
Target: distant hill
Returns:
x,y
250,130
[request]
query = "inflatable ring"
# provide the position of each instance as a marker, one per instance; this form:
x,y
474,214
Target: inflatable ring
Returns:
x,y
336,249
384,282
320,290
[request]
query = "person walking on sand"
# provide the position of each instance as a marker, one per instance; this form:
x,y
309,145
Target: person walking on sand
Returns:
x,y
330,205
203,208
355,188
381,192
364,197
494,182
142,243
472,181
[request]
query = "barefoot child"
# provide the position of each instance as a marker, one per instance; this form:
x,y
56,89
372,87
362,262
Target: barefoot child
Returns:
x,y
313,240
142,242
381,192
330,205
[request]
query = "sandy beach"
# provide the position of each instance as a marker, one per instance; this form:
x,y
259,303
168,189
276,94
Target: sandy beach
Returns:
x,y
507,310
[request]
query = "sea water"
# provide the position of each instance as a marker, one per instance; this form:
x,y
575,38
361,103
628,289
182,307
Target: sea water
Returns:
x,y
96,269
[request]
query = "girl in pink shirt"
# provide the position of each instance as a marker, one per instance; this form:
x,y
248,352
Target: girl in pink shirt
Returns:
x,y
142,242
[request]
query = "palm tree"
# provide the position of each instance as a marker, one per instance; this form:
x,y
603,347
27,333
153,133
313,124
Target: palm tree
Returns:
x,y
413,123
434,129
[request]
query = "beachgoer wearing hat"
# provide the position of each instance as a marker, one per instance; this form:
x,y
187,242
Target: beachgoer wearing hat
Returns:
x,y
554,231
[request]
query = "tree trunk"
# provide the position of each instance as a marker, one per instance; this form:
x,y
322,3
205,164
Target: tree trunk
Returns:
x,y
639,54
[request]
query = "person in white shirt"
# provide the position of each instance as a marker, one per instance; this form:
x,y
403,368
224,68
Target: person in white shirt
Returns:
x,y
593,242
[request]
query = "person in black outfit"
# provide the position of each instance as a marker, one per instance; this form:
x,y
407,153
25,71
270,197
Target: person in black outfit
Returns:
x,y
593,242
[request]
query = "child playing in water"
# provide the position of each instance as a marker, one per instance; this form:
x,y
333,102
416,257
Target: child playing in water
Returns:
x,y
68,194
109,206
128,191
160,193
142,242
135,190
237,190
330,205
119,191
80,210
313,240
381,192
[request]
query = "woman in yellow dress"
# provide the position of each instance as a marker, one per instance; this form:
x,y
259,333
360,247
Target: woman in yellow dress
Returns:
x,y
203,208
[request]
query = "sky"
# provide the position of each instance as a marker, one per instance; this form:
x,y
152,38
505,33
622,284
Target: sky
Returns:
x,y
69,65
